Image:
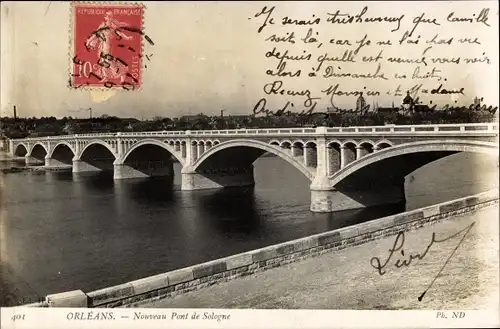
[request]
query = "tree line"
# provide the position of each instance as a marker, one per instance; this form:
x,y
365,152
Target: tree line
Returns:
x,y
51,126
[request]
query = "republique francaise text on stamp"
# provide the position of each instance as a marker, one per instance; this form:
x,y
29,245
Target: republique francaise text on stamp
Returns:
x,y
106,45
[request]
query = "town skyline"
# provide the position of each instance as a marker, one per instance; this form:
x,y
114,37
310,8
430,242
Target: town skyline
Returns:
x,y
91,112
185,72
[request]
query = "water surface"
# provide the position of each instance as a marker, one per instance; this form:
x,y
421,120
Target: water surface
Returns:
x,y
62,231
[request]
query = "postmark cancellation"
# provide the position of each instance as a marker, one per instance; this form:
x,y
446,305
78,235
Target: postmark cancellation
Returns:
x,y
106,46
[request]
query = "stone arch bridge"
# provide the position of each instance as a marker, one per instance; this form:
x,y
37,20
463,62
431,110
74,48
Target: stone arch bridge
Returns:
x,y
349,167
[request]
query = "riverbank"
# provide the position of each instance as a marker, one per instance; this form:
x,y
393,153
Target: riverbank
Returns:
x,y
200,276
7,157
13,159
12,170
346,280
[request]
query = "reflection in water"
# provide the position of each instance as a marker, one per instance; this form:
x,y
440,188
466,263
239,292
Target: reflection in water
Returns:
x,y
352,217
63,231
223,210
157,191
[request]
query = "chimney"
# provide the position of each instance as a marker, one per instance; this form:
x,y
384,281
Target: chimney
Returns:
x,y
221,113
15,114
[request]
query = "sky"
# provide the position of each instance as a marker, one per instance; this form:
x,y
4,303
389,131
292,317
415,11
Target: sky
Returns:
x,y
209,56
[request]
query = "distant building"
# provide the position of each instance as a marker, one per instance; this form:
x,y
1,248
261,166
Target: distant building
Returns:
x,y
408,102
478,101
191,117
4,143
240,117
382,109
360,103
423,107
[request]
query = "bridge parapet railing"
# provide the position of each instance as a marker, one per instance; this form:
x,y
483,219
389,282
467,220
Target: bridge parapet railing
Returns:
x,y
452,128
96,135
465,128
272,131
487,127
150,133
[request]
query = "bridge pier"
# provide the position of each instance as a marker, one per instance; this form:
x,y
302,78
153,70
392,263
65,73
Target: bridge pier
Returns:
x,y
358,193
54,163
211,179
32,161
325,198
322,194
82,166
334,200
143,169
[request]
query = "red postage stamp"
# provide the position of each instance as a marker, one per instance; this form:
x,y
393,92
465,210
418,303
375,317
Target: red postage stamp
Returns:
x,y
106,45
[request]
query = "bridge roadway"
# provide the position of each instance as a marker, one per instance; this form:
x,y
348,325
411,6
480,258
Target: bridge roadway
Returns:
x,y
349,167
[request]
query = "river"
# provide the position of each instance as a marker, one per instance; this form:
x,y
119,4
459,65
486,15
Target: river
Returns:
x,y
61,231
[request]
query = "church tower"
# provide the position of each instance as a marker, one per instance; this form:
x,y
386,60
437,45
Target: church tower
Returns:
x,y
360,103
408,102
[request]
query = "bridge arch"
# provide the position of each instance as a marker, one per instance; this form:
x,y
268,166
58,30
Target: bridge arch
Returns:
x,y
62,153
334,142
21,150
367,142
98,155
350,153
260,147
396,162
311,154
98,142
365,147
349,142
146,142
310,142
39,145
38,152
58,145
382,144
286,142
298,142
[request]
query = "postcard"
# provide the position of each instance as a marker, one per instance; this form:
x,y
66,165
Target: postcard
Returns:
x,y
249,164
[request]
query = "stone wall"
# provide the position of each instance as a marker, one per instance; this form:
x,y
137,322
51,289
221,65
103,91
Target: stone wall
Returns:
x,y
221,270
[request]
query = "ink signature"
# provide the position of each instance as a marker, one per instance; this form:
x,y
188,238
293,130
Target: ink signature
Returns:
x,y
398,246
261,107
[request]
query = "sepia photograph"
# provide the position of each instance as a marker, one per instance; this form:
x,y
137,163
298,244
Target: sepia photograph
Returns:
x,y
214,157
